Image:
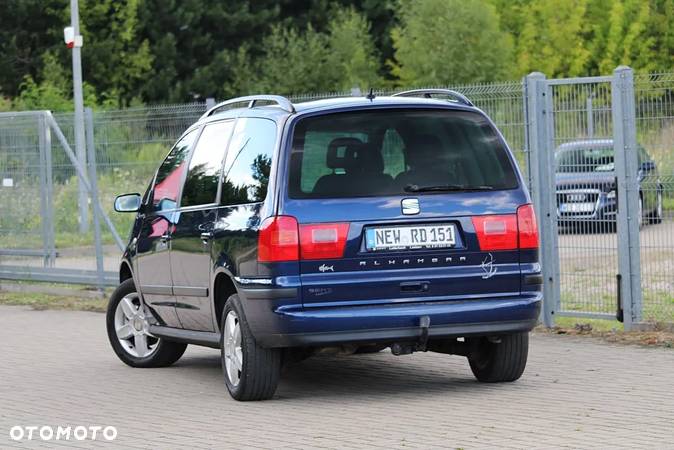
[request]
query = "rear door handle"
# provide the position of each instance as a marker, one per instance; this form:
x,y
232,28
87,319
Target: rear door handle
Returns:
x,y
164,238
206,236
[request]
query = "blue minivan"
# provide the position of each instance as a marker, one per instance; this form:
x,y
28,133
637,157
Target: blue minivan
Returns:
x,y
274,231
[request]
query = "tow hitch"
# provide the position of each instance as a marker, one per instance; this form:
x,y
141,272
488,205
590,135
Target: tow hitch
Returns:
x,y
402,348
424,323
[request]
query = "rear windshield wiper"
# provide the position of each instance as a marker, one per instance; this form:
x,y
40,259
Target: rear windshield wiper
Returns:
x,y
446,188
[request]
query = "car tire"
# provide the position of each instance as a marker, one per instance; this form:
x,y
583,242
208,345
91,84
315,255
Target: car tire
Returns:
x,y
656,217
127,323
496,361
251,372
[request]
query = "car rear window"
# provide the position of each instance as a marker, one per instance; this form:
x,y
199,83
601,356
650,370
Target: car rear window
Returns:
x,y
397,152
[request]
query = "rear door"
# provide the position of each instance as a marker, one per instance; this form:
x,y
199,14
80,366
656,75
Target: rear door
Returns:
x,y
396,209
191,239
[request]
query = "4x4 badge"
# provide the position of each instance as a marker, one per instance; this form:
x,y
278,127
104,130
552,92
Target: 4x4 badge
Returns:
x,y
410,206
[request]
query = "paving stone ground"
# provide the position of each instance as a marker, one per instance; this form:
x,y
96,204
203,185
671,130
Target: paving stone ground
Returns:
x,y
56,368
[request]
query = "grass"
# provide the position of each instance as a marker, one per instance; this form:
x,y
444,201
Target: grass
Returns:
x,y
658,305
39,301
611,331
586,324
668,203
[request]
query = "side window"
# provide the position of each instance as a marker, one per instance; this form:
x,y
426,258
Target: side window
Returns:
x,y
170,174
201,184
248,163
392,152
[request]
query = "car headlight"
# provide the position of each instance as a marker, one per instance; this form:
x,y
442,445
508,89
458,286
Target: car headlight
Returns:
x,y
611,194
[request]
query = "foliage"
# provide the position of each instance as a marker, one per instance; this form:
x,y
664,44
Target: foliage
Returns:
x,y
312,61
151,51
291,60
118,61
39,301
353,56
449,41
28,29
551,39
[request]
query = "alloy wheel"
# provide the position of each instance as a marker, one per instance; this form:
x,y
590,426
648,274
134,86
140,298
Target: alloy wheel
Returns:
x,y
232,348
132,327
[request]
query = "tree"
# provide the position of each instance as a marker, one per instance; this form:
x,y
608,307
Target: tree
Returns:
x,y
296,62
115,60
627,42
660,27
54,91
28,28
449,42
352,56
196,43
552,39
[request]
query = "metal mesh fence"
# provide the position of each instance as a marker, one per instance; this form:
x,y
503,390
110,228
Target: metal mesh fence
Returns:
x,y
20,193
130,143
654,102
582,139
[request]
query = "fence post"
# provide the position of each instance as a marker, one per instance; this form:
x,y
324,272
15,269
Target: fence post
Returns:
x,y
93,181
626,170
50,191
44,197
542,175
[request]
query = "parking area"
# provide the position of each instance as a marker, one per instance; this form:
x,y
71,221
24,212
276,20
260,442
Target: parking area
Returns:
x,y
56,369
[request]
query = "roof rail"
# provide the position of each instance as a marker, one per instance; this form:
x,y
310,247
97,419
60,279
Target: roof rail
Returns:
x,y
283,102
428,93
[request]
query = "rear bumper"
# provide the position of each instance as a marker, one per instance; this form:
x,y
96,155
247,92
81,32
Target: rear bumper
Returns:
x,y
294,325
393,334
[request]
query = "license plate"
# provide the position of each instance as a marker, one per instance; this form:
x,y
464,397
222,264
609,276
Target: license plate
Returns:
x,y
576,207
410,237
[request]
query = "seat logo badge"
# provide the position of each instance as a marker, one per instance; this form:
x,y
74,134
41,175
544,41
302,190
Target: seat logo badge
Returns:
x,y
488,267
325,268
410,206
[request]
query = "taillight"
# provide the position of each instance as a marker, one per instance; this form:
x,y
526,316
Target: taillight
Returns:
x,y
496,232
278,240
526,224
507,231
323,240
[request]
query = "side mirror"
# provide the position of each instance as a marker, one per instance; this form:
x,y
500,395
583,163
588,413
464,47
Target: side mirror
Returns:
x,y
127,203
648,166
